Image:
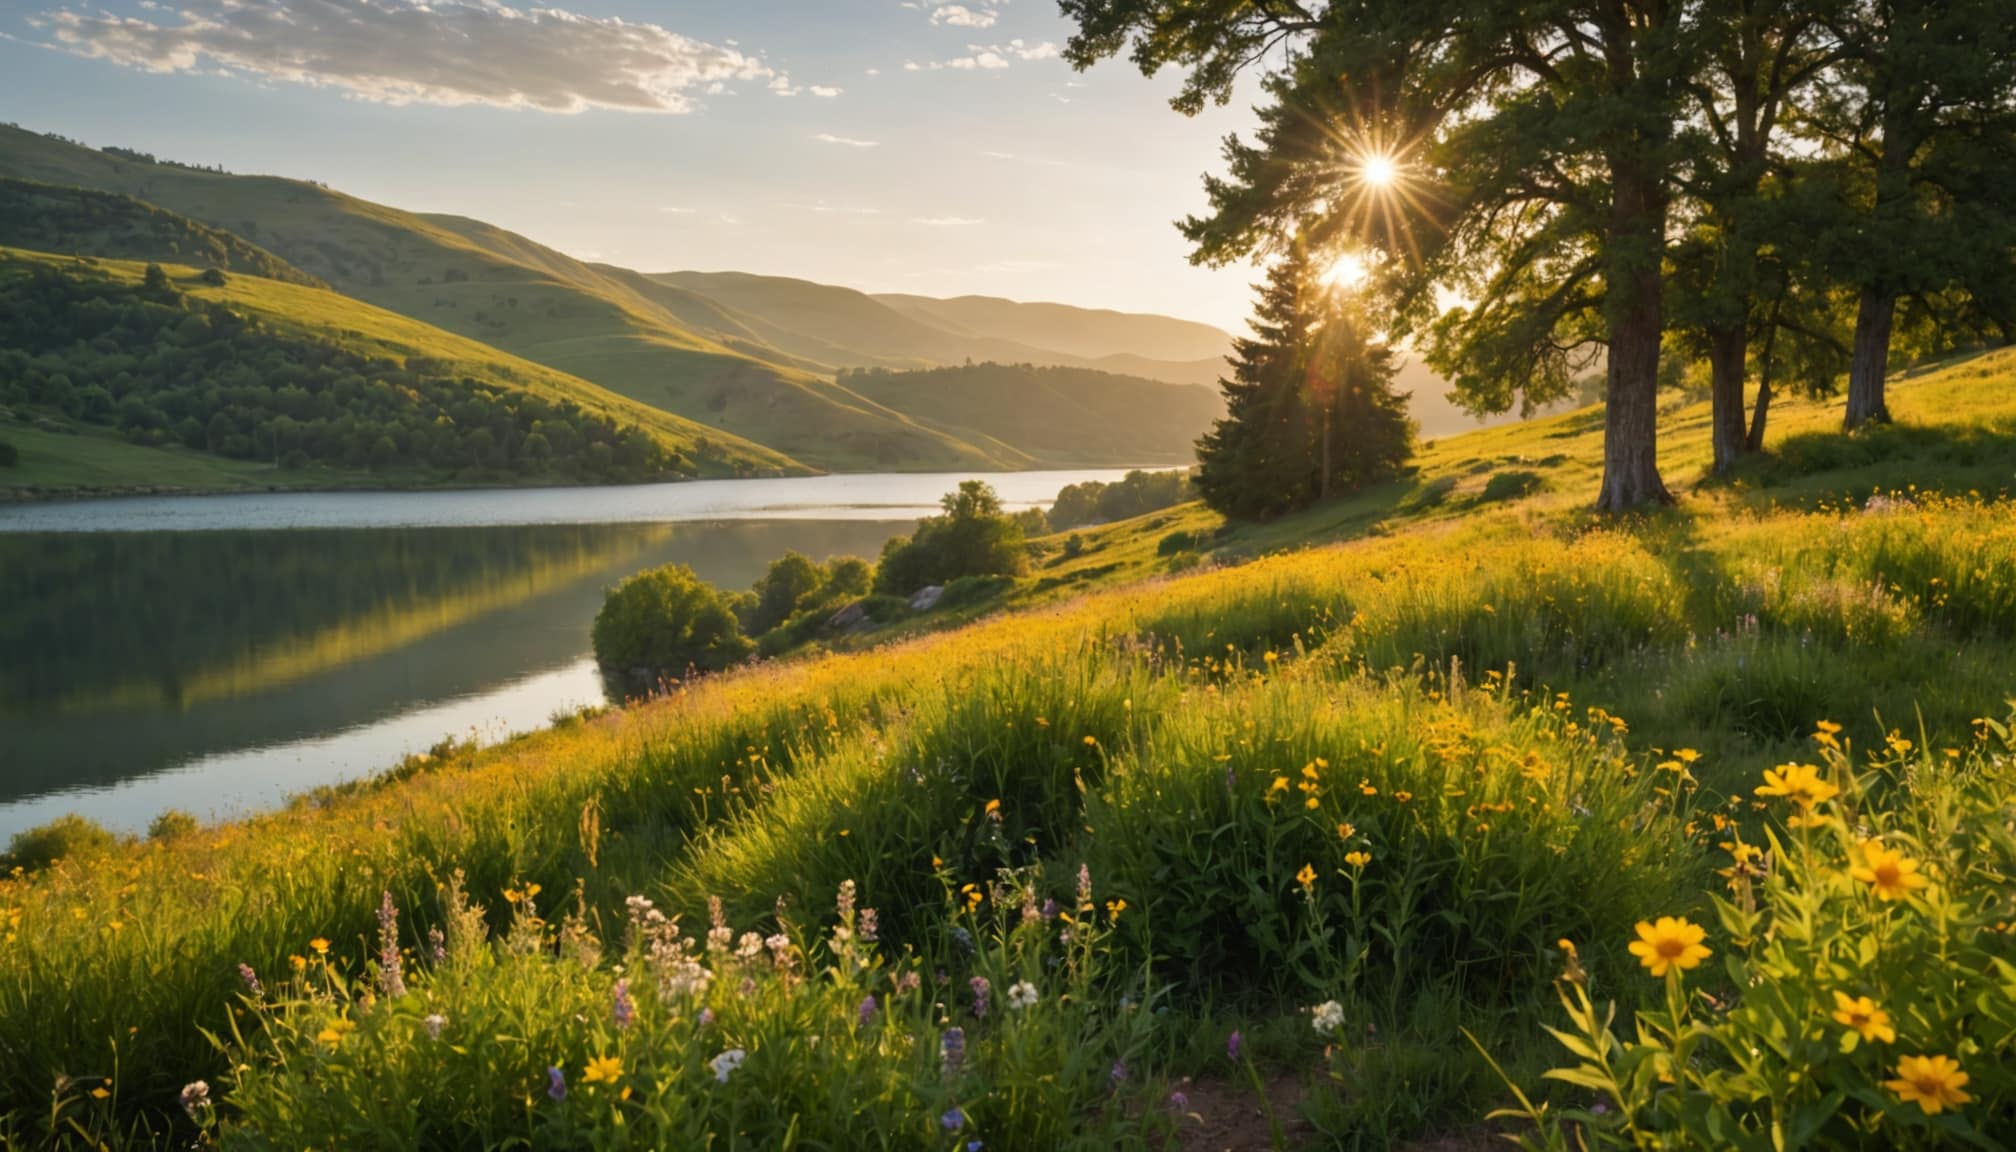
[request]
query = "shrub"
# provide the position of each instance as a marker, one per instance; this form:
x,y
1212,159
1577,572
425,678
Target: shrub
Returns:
x,y
969,590
790,581
972,538
10,456
1074,546
172,824
1180,540
1138,493
1508,485
66,836
666,620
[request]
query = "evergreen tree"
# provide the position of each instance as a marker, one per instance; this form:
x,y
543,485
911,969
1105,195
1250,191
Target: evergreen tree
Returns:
x,y
1254,463
1310,409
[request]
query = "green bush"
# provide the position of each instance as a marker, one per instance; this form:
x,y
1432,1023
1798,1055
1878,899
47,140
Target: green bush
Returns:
x,y
1136,494
172,824
1180,540
1508,485
969,590
664,621
10,456
972,538
66,836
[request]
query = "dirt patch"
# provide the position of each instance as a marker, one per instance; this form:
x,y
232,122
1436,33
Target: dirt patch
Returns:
x,y
1223,1116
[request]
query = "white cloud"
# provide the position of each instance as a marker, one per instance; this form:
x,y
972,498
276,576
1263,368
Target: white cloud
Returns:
x,y
675,210
874,71
912,66
824,92
835,209
960,16
849,141
439,52
946,221
991,57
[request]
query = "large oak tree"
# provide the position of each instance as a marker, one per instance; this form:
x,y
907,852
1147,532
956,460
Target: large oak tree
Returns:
x,y
1538,158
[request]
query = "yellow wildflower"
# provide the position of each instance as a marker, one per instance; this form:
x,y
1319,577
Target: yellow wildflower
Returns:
x,y
1307,876
1358,859
1673,942
1887,870
1864,1016
602,1070
320,945
1799,783
1931,1082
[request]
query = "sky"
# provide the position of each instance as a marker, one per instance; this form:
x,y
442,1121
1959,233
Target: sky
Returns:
x,y
889,145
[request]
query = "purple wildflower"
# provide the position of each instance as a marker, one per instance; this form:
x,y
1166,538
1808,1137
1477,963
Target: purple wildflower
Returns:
x,y
706,1017
952,1120
251,980
556,1083
391,981
974,1146
1049,909
867,1010
1084,885
437,945
982,993
952,1047
1233,1044
1179,1101
624,1009
1119,1073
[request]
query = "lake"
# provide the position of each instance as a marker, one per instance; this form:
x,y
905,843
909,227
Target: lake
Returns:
x,y
219,653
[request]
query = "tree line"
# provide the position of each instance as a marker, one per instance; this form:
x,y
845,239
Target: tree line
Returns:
x,y
163,366
1789,190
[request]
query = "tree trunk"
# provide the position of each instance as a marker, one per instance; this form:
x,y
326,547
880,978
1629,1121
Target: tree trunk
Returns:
x,y
1866,372
1631,392
1728,356
1755,443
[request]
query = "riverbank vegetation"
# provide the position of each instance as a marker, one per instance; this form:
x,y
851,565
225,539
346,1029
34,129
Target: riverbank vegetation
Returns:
x,y
1300,846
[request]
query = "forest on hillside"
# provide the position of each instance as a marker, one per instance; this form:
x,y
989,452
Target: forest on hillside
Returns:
x,y
80,221
163,366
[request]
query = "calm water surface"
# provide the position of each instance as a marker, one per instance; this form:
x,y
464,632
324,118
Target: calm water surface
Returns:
x,y
216,654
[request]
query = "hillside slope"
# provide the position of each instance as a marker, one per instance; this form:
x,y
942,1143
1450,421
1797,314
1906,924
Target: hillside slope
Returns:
x,y
82,222
493,286
1060,417
1089,333
253,368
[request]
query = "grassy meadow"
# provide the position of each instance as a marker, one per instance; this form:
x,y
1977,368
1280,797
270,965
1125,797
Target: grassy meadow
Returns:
x,y
1360,829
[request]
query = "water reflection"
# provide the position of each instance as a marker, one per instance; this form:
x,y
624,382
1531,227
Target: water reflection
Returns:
x,y
210,670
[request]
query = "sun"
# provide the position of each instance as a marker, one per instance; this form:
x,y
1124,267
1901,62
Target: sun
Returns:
x,y
1378,170
1348,272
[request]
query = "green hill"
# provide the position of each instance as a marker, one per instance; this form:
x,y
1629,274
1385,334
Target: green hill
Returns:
x,y
1089,333
79,221
249,369
1059,417
489,285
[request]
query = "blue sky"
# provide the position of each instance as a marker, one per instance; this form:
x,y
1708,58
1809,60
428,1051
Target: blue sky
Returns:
x,y
929,147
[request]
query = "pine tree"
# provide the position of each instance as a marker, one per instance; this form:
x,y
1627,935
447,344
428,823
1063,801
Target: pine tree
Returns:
x,y
1310,410
1254,463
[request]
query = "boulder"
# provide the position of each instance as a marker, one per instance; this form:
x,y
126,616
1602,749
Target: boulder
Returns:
x,y
852,616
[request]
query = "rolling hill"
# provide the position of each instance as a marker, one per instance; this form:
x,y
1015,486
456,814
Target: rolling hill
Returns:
x,y
250,368
493,286
1060,417
53,218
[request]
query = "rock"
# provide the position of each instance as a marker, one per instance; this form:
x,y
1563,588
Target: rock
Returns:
x,y
852,616
926,598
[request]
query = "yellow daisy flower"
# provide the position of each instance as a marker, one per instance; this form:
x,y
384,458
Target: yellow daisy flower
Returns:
x,y
1672,942
1931,1082
1888,871
1864,1016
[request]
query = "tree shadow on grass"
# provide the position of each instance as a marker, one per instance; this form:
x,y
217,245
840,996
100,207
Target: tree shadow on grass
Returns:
x,y
1813,469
